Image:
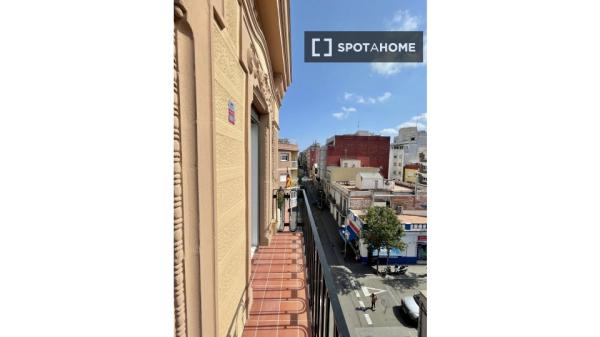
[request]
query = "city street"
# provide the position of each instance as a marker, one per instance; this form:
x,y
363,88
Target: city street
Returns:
x,y
355,282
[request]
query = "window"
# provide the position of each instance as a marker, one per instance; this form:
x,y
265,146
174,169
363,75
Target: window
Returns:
x,y
283,177
284,156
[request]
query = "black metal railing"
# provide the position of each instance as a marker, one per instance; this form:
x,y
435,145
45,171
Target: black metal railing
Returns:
x,y
327,318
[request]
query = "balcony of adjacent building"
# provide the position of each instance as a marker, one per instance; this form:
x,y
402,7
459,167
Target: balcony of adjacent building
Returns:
x,y
288,154
288,160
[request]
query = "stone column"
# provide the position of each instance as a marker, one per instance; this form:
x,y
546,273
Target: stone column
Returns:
x,y
186,203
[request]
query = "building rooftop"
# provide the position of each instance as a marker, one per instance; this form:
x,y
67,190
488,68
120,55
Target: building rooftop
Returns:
x,y
372,175
286,141
403,218
350,186
287,146
414,212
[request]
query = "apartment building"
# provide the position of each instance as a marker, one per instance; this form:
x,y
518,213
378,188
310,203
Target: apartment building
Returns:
x,y
409,147
232,66
322,165
288,164
312,159
365,190
371,150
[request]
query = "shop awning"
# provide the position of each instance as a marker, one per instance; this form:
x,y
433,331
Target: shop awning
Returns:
x,y
351,235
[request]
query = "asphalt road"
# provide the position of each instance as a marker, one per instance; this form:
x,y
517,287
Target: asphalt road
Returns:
x,y
355,282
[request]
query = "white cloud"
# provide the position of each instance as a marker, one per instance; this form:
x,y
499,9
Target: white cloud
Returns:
x,y
419,125
390,68
344,113
420,121
421,117
348,96
389,132
340,115
403,20
386,95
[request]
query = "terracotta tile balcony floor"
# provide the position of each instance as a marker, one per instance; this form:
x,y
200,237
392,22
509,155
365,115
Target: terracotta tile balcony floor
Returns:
x,y
278,282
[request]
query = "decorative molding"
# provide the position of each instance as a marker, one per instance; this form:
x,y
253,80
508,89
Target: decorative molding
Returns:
x,y
263,80
250,59
179,268
259,38
179,9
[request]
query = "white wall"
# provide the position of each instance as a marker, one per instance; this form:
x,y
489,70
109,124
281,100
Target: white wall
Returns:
x,y
368,183
409,238
410,151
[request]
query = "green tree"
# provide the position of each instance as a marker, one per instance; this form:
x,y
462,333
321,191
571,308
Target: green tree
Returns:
x,y
382,230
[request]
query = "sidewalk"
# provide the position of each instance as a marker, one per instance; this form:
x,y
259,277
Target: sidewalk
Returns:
x,y
413,271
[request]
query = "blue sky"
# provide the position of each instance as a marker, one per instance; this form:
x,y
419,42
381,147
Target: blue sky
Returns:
x,y
332,98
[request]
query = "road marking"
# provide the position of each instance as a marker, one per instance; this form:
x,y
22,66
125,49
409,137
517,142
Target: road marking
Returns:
x,y
368,319
392,295
366,291
362,304
357,293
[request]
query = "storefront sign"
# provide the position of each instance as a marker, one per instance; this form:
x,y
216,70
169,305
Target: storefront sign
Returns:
x,y
231,112
422,238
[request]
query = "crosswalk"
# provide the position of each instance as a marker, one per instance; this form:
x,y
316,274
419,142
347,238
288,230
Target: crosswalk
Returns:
x,y
366,291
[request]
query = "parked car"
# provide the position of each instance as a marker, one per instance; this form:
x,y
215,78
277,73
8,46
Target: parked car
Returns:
x,y
410,308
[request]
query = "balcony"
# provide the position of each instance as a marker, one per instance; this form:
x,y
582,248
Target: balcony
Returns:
x,y
293,288
287,165
278,281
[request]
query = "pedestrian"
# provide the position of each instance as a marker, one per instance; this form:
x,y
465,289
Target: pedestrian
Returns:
x,y
373,301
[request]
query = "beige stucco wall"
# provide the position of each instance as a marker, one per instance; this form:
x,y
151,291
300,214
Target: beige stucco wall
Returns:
x,y
230,167
347,173
221,55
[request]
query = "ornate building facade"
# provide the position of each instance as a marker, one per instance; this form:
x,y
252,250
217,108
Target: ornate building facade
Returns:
x,y
232,67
